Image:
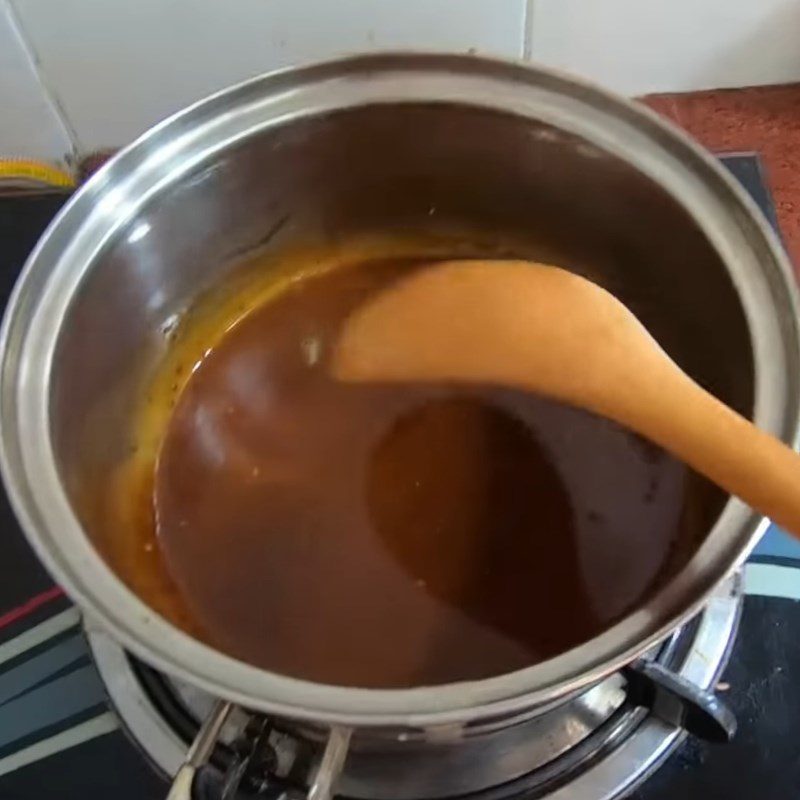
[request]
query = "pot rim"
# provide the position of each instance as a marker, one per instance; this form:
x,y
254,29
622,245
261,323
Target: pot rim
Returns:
x,y
31,325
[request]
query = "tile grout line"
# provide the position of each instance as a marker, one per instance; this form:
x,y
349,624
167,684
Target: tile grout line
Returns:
x,y
47,89
527,34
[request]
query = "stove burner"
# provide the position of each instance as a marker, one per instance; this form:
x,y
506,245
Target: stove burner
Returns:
x,y
599,744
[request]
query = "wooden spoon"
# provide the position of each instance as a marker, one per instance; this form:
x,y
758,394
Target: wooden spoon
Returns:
x,y
546,330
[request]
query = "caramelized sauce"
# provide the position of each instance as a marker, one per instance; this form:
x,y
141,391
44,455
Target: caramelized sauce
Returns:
x,y
388,536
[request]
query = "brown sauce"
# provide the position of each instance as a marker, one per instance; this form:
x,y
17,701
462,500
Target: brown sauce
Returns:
x,y
398,536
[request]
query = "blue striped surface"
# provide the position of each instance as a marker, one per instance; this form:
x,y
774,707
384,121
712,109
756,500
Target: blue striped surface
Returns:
x,y
777,543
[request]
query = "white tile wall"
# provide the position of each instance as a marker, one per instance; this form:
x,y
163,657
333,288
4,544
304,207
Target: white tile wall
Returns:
x,y
117,67
641,46
29,124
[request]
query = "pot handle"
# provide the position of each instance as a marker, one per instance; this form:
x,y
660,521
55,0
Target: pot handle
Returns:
x,y
330,766
680,702
197,779
199,752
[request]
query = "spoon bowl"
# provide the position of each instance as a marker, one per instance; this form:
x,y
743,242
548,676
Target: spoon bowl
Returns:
x,y
543,329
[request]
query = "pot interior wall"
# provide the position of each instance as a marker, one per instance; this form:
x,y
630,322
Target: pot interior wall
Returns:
x,y
505,185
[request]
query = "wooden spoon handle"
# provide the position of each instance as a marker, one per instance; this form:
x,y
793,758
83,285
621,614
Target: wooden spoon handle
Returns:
x,y
721,444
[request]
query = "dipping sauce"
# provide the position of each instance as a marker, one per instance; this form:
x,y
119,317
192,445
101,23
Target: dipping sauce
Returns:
x,y
396,536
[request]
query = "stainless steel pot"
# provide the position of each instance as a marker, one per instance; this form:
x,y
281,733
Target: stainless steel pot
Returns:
x,y
578,176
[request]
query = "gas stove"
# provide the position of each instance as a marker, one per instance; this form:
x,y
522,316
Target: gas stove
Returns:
x,y
79,717
599,744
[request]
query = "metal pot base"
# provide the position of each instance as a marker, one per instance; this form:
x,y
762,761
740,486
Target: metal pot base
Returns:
x,y
595,745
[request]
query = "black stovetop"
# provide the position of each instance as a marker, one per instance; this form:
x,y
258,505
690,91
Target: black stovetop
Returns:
x,y
59,739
